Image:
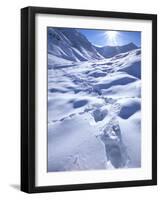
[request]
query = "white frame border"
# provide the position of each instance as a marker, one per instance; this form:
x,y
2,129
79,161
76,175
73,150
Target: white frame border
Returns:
x,y
42,178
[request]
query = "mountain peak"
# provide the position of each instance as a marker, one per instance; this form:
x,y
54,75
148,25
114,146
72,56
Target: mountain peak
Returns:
x,y
131,44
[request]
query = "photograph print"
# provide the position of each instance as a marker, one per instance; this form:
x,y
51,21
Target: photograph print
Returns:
x,y
94,99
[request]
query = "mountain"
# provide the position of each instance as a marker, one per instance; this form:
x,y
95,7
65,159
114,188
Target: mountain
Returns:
x,y
66,46
110,51
71,45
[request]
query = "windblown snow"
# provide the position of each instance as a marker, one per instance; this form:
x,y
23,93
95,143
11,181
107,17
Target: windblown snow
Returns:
x,y
94,104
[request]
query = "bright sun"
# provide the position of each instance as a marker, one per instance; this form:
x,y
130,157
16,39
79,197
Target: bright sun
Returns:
x,y
112,36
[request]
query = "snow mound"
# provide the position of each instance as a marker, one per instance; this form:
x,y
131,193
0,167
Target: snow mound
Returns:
x,y
97,73
129,107
133,69
79,103
117,79
123,91
131,135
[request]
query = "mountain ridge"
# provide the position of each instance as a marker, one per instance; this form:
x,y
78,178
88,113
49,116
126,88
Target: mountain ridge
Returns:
x,y
110,51
71,45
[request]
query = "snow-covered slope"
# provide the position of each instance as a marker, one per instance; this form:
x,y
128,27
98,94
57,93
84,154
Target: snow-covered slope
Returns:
x,y
71,45
109,51
66,46
94,112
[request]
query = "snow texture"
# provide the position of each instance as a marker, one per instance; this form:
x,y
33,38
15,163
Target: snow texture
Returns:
x,y
94,104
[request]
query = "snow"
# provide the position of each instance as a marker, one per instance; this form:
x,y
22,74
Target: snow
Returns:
x,y
110,51
94,105
73,148
69,44
131,135
129,107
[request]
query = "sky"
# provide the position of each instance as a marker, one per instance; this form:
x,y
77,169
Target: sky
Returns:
x,y
111,38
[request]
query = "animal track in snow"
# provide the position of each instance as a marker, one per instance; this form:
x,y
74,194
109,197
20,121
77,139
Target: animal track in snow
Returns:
x,y
115,148
99,114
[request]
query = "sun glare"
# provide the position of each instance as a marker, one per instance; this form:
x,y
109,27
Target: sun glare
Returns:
x,y
112,36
